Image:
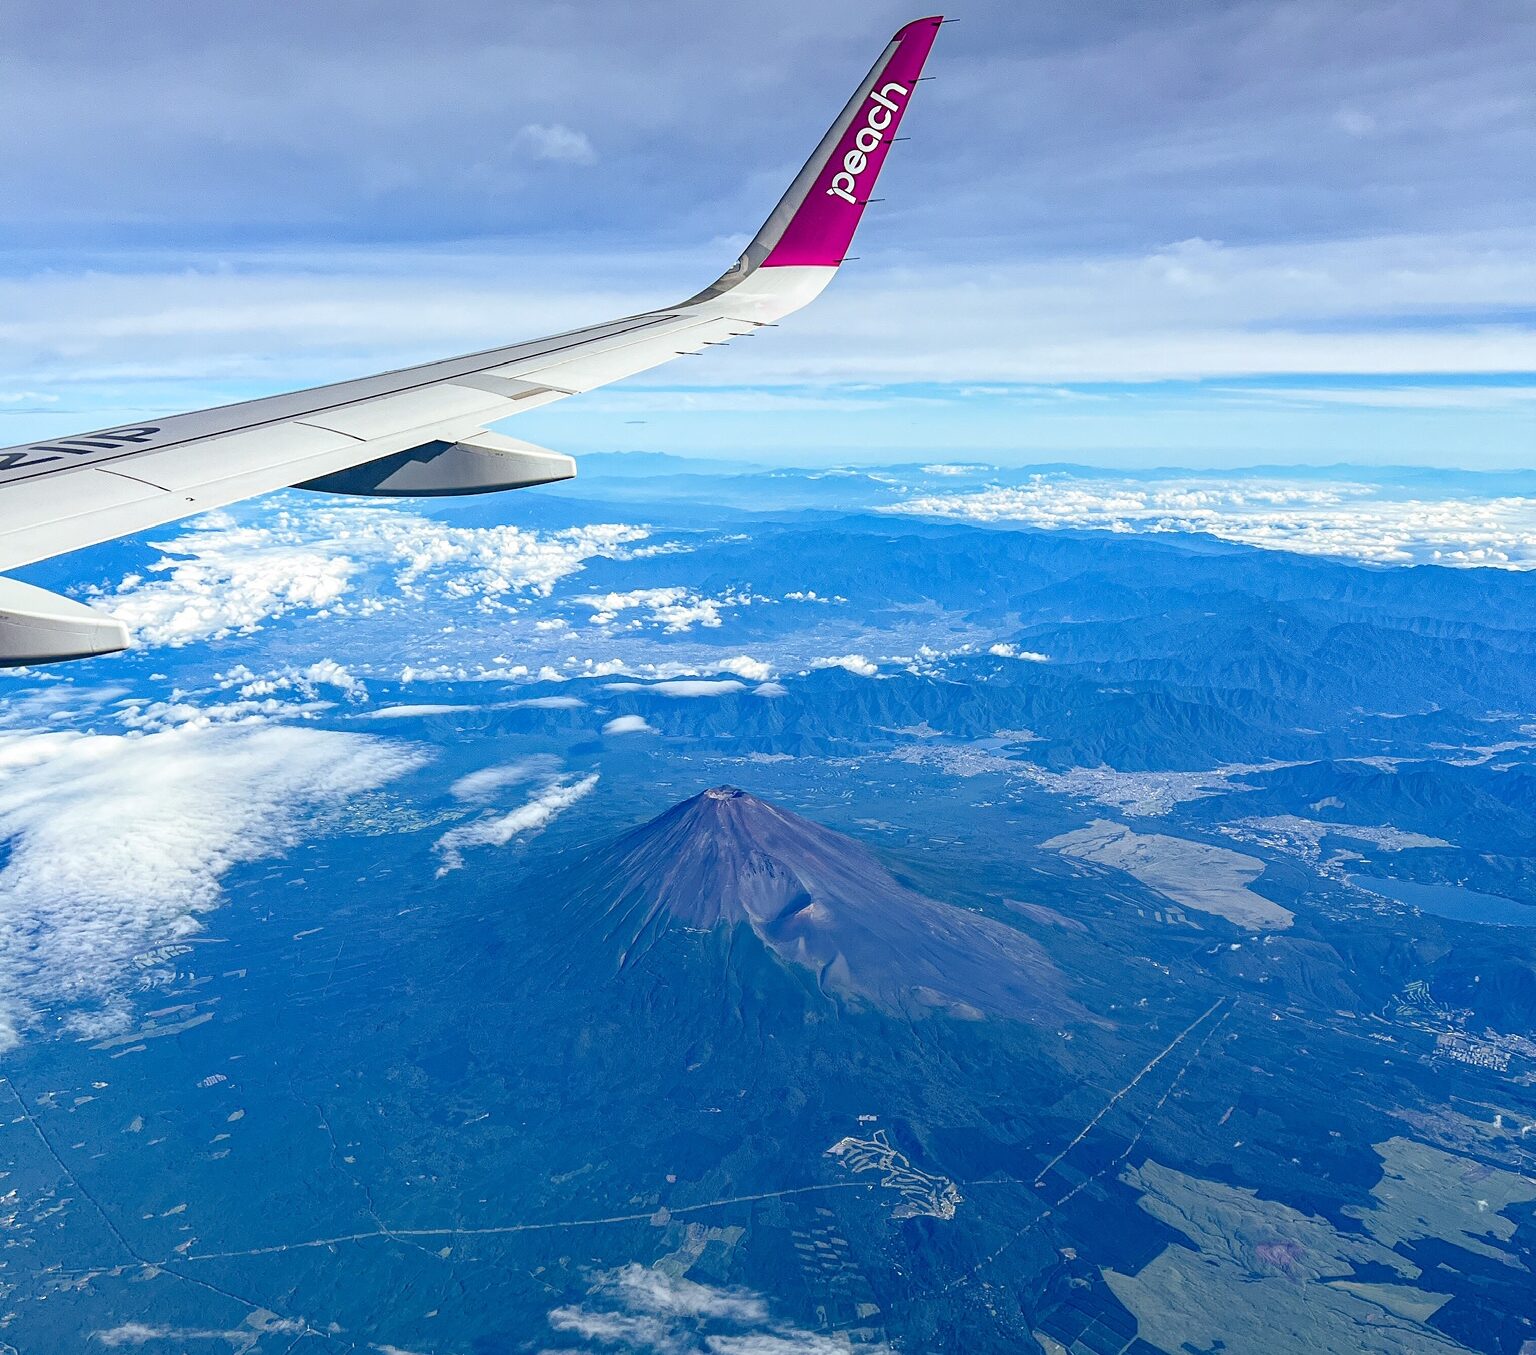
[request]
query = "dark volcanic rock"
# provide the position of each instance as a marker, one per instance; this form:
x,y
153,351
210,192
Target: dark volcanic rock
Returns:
x,y
814,898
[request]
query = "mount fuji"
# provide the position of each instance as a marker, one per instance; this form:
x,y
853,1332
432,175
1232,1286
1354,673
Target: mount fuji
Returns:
x,y
726,864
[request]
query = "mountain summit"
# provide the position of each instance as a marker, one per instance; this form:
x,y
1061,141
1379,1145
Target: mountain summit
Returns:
x,y
726,860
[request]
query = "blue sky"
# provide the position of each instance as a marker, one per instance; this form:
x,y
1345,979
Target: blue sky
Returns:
x,y
1212,234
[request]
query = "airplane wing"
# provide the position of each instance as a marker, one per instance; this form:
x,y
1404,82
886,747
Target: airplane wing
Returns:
x,y
421,430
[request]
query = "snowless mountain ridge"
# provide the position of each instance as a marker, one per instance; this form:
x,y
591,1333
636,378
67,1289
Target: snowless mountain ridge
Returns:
x,y
814,898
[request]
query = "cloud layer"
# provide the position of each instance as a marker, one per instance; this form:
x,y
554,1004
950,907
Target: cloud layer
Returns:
x,y
99,871
223,577
1352,521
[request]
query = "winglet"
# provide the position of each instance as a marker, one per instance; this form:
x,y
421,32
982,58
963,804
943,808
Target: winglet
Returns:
x,y
829,195
813,224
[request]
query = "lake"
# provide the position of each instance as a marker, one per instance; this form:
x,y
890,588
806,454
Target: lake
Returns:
x,y
1451,901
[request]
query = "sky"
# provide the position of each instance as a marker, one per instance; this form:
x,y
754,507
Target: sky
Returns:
x,y
1123,234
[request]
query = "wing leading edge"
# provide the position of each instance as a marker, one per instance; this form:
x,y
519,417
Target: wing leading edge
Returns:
x,y
421,430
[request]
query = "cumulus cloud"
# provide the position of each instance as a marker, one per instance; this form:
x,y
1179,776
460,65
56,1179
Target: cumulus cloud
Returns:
x,y
99,872
290,692
223,578
329,673
1011,651
628,724
497,830
744,666
676,609
151,717
1353,521
228,579
854,663
653,1312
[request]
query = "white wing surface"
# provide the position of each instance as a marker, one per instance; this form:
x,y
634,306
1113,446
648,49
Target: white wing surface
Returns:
x,y
421,430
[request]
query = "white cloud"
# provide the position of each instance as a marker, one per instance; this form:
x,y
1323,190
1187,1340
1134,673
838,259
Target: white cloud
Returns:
x,y
744,666
614,1329
788,1342
548,702
1352,521
655,1291
628,724
290,692
239,1338
221,578
329,673
770,689
555,141
653,1312
481,785
683,688
154,716
100,871
411,712
228,579
854,663
740,665
1011,651
676,609
56,701
496,830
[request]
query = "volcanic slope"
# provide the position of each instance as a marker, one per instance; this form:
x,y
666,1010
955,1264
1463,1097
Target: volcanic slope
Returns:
x,y
727,862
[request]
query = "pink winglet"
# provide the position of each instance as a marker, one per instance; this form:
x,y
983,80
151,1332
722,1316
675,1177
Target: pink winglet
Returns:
x,y
821,230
